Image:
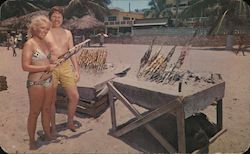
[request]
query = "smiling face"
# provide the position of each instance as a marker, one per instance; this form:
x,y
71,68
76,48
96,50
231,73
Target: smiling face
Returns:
x,y
39,27
42,30
56,19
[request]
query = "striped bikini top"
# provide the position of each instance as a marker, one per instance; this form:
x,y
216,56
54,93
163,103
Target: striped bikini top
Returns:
x,y
39,55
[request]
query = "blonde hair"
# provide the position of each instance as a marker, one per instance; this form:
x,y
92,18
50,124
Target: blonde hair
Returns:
x,y
36,22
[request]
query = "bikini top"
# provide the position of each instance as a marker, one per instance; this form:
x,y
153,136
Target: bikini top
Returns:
x,y
39,55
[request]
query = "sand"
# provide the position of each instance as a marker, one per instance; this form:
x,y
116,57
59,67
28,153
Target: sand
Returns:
x,y
92,134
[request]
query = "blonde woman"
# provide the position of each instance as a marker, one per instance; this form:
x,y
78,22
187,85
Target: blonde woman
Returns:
x,y
36,60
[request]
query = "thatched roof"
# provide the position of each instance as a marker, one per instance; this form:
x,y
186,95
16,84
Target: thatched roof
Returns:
x,y
85,22
22,21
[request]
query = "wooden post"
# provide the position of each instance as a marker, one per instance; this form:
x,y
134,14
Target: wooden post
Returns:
x,y
180,118
219,114
157,135
112,110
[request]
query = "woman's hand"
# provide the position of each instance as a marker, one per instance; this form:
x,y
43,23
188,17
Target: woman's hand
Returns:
x,y
53,59
51,67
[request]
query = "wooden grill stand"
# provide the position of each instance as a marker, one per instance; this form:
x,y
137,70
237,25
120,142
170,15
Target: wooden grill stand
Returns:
x,y
174,106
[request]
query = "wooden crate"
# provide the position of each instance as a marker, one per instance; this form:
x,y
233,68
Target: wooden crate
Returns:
x,y
61,102
91,108
94,108
88,91
89,87
3,83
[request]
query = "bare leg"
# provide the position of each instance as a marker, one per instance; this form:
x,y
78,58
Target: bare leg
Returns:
x,y
53,113
237,51
14,52
36,102
243,52
73,96
13,49
46,112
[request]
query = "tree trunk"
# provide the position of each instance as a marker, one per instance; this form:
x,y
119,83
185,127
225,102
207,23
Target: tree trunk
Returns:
x,y
229,42
176,13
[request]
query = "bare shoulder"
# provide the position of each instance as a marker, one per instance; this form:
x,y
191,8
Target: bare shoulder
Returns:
x,y
28,43
28,46
49,37
68,32
49,34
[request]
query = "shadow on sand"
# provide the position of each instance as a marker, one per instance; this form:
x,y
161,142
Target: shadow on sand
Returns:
x,y
59,137
198,130
246,49
79,114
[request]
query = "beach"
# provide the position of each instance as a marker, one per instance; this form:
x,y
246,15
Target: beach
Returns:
x,y
92,135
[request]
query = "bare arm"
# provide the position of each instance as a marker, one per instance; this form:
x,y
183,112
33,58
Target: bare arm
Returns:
x,y
73,58
27,60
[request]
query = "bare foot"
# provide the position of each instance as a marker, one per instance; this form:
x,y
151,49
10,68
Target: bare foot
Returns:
x,y
54,132
72,127
33,145
50,137
47,138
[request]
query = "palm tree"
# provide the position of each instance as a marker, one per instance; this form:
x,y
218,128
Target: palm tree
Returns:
x,y
230,15
159,9
79,8
247,1
177,2
12,8
47,4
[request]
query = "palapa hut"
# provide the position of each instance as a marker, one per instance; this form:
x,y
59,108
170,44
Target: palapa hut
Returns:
x,y
16,25
20,23
85,22
84,26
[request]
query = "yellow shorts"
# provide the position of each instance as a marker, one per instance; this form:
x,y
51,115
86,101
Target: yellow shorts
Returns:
x,y
64,74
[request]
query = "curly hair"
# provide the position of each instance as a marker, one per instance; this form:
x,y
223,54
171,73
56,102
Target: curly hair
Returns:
x,y
36,22
56,9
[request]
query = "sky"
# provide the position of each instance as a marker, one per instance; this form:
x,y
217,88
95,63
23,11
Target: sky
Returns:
x,y
134,4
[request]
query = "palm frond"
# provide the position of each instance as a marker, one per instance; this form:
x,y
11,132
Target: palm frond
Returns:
x,y
33,6
166,13
215,26
97,5
220,23
196,8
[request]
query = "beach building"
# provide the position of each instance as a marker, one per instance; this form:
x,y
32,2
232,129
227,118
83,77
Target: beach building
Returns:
x,y
120,22
129,23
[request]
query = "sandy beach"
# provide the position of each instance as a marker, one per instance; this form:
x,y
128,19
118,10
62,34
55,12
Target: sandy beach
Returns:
x,y
92,135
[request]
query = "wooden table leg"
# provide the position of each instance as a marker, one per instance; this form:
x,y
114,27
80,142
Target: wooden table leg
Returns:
x,y
112,110
157,135
219,114
180,118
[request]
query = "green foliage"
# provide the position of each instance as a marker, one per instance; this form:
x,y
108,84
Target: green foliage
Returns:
x,y
226,15
158,9
197,8
78,8
12,8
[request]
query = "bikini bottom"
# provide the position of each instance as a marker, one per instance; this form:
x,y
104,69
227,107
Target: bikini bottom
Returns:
x,y
44,83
